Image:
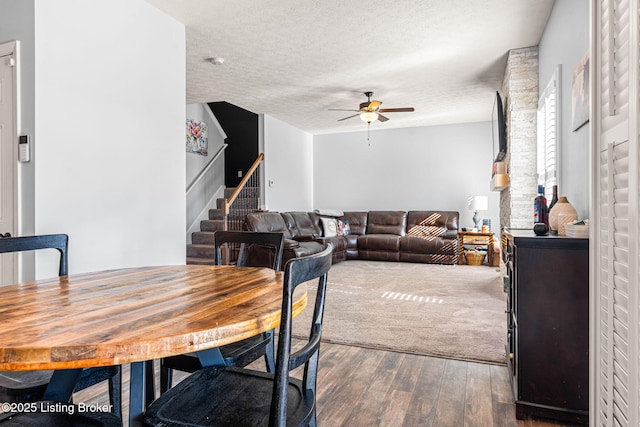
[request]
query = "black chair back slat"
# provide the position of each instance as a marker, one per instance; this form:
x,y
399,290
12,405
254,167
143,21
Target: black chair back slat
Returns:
x,y
302,355
60,242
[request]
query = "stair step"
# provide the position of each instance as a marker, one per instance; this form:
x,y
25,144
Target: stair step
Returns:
x,y
211,225
199,261
228,192
216,214
202,237
240,203
200,251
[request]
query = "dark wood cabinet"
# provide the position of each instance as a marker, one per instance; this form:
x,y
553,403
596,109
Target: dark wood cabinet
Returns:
x,y
548,324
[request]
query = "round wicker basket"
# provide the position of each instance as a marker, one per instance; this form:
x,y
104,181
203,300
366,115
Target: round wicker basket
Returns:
x,y
474,257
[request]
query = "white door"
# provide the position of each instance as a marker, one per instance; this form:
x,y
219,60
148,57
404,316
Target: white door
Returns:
x,y
615,260
7,156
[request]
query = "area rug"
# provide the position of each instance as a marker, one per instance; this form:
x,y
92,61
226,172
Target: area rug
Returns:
x,y
450,311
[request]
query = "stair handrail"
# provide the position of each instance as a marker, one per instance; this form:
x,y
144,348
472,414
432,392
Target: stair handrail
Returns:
x,y
206,168
228,202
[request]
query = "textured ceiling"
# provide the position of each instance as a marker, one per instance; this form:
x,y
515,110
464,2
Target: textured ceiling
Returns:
x,y
294,59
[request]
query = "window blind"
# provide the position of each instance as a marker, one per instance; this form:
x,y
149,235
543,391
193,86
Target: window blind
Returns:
x,y
548,136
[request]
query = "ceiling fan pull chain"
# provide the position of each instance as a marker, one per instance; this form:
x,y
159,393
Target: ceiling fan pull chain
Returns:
x,y
369,133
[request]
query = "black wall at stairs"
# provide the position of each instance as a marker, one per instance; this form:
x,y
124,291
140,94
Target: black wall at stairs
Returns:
x,y
241,127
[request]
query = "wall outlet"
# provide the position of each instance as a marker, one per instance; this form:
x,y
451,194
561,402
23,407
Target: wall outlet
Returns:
x,y
239,174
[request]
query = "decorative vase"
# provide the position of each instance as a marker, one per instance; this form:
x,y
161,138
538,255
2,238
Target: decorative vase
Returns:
x,y
554,198
568,212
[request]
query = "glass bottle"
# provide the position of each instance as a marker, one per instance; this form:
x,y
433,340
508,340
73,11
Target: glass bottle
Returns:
x,y
540,210
554,198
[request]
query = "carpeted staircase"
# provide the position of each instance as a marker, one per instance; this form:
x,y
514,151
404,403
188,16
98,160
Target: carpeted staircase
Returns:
x,y
200,251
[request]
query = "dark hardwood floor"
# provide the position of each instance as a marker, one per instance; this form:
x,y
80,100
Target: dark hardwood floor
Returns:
x,y
364,387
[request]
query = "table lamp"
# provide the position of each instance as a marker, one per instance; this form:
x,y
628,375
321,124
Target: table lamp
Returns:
x,y
478,203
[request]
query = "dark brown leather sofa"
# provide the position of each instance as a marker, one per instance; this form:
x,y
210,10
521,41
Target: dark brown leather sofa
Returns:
x,y
414,236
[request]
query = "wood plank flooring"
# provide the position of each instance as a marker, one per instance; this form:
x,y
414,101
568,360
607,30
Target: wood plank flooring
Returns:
x,y
364,387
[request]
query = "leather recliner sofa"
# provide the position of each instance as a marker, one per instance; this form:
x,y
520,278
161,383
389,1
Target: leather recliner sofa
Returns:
x,y
413,236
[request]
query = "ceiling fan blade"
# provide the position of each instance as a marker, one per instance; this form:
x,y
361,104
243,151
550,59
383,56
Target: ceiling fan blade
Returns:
x,y
339,109
345,118
382,118
397,110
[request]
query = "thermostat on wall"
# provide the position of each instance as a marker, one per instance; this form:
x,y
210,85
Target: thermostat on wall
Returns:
x,y
24,148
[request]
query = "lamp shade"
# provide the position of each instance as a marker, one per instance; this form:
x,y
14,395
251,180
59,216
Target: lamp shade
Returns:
x,y
478,203
369,116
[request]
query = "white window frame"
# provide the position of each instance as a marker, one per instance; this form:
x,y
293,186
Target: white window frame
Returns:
x,y
549,133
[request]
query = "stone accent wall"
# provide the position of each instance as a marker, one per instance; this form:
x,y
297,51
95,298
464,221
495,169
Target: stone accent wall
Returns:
x,y
520,98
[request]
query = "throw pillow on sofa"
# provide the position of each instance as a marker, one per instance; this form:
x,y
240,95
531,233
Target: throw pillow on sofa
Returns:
x,y
330,227
344,228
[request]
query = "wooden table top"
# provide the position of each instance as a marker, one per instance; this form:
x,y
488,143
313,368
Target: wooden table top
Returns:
x,y
122,316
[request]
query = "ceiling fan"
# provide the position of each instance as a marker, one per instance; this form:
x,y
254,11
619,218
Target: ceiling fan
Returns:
x,y
370,111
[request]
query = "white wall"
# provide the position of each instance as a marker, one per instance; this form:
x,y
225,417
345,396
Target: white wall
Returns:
x,y
425,168
109,150
289,163
215,137
565,41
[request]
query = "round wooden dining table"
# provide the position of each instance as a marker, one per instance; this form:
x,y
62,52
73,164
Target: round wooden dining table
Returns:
x,y
134,315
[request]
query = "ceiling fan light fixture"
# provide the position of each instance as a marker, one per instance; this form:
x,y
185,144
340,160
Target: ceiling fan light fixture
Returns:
x,y
369,116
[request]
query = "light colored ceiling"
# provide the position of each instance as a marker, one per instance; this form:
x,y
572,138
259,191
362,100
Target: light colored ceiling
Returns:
x,y
294,59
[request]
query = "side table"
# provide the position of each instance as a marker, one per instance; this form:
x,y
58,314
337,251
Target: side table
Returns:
x,y
475,238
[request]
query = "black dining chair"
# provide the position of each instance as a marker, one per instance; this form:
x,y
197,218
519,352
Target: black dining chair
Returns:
x,y
244,352
228,396
29,386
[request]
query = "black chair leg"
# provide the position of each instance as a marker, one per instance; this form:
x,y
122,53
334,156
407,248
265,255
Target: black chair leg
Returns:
x,y
149,383
166,378
269,354
115,393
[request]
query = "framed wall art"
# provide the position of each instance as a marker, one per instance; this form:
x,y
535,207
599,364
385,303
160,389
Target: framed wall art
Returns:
x,y
197,137
580,94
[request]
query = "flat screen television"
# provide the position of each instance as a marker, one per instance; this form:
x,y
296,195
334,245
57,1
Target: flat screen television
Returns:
x,y
499,130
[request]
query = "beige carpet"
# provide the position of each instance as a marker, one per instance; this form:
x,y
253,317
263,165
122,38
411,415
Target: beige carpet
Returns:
x,y
455,312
